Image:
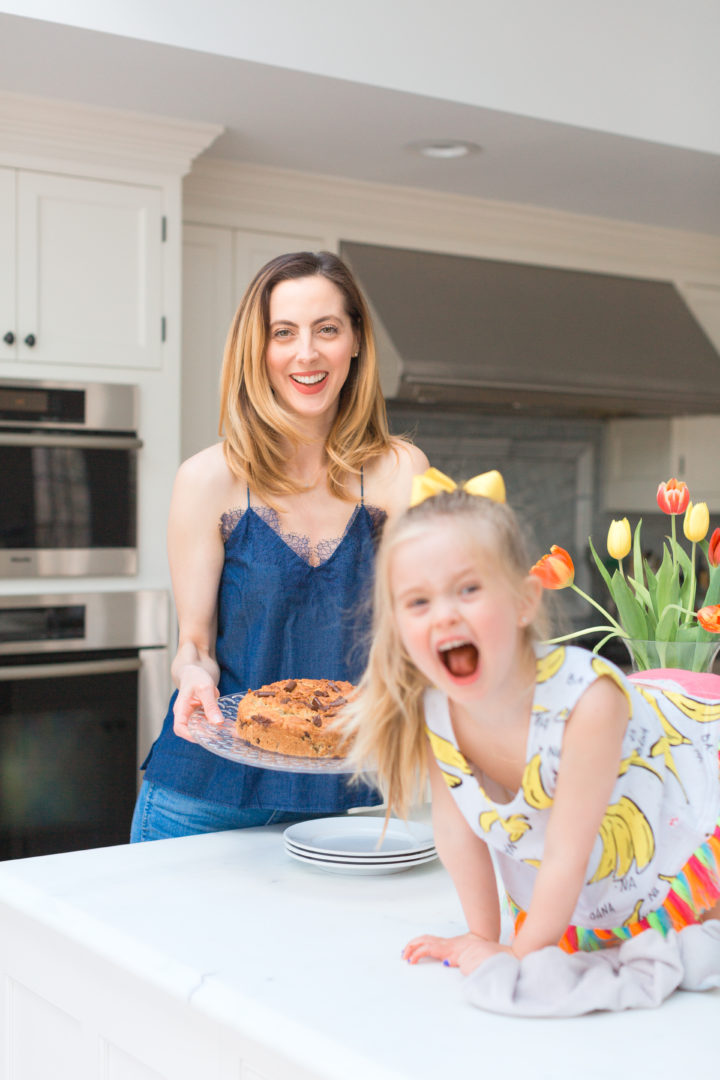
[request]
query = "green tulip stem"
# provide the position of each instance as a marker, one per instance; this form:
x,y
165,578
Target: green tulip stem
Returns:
x,y
599,607
673,540
579,633
693,585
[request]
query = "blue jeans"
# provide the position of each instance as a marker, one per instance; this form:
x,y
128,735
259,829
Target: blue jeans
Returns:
x,y
162,814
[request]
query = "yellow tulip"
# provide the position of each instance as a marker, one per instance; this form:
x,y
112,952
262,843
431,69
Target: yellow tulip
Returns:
x,y
619,539
696,522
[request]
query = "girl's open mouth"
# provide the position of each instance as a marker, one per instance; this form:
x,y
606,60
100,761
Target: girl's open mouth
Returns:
x,y
459,657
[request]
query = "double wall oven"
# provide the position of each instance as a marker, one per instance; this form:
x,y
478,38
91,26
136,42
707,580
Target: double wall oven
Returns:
x,y
68,463
84,676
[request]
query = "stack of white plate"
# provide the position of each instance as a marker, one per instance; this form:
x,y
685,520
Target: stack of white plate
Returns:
x,y
351,845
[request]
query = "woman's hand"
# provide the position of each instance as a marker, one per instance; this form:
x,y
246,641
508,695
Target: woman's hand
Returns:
x,y
197,690
449,950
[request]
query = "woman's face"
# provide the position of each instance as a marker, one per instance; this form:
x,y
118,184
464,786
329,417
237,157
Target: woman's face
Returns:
x,y
310,345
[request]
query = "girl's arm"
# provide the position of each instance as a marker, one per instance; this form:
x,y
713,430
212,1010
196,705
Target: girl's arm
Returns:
x,y
195,552
591,753
467,860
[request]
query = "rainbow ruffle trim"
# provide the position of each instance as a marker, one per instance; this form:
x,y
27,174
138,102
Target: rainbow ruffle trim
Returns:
x,y
694,890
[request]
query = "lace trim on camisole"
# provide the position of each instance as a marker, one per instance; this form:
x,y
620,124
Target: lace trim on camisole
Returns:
x,y
313,554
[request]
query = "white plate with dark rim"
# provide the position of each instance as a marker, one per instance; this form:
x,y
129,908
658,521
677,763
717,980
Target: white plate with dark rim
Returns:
x,y
359,837
365,860
360,867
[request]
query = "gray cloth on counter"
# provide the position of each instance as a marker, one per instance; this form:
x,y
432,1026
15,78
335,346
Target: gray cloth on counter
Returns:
x,y
639,974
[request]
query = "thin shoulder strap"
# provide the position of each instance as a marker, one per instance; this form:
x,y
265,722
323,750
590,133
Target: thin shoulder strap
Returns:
x,y
248,495
362,485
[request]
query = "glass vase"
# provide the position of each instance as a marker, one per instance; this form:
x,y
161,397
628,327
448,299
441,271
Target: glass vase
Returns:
x,y
687,655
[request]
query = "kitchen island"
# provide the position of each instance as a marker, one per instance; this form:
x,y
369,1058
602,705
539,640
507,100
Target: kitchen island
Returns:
x,y
219,957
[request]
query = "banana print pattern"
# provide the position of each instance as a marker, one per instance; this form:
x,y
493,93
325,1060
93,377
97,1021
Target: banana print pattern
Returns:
x,y
700,711
515,826
626,837
532,785
446,753
670,738
548,666
664,804
601,667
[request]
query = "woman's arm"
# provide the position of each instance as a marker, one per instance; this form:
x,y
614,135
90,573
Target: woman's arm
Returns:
x,y
467,859
195,552
588,770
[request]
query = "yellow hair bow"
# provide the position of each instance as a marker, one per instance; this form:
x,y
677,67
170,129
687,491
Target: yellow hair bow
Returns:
x,y
432,482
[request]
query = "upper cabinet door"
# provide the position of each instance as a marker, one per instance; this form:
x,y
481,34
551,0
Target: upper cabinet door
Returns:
x,y
89,286
8,329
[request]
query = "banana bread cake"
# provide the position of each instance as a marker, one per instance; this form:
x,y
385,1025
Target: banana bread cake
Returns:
x,y
292,717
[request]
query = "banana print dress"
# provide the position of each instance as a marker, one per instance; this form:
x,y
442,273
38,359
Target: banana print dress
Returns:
x,y
656,859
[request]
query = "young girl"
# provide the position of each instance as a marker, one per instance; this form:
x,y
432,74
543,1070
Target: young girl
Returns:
x,y
599,798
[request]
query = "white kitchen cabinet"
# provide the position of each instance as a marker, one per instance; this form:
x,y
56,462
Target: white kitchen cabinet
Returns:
x,y
639,454
81,266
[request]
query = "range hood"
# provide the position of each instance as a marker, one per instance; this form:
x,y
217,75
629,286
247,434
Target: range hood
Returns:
x,y
512,337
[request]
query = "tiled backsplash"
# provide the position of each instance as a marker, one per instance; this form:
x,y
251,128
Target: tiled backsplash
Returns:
x,y
551,471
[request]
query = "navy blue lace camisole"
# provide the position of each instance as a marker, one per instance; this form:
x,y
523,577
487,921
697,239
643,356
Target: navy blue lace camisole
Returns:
x,y
284,611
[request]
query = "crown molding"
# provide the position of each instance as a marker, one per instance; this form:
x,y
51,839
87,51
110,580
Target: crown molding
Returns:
x,y
227,192
47,130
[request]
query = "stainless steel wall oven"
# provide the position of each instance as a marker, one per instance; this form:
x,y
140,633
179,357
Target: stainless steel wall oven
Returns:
x,y
68,479
84,682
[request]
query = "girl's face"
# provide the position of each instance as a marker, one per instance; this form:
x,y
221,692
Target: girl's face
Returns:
x,y
459,617
310,344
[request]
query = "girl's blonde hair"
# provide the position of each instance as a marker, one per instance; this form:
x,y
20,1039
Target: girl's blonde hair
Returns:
x,y
255,424
386,720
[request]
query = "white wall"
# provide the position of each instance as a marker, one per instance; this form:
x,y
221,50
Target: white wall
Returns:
x,y
647,69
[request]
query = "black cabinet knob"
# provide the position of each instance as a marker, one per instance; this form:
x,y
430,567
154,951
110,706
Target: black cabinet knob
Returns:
x,y
30,340
9,338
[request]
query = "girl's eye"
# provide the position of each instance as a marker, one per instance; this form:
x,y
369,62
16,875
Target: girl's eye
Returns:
x,y
467,590
416,602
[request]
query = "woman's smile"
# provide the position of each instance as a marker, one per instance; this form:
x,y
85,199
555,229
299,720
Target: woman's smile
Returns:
x,y
310,383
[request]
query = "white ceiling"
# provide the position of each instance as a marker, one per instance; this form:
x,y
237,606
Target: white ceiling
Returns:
x,y
295,120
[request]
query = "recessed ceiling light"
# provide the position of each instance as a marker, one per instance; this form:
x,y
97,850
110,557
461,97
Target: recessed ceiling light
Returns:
x,y
444,148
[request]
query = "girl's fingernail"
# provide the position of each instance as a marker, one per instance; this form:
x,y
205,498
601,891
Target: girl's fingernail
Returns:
x,y
446,963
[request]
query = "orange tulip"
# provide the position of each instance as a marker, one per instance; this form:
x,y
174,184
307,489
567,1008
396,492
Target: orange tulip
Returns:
x,y
555,570
714,549
709,618
673,497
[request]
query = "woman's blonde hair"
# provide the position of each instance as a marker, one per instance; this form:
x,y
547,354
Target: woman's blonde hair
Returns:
x,y
255,424
386,720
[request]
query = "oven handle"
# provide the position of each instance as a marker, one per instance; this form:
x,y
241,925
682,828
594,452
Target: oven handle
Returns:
x,y
83,442
78,667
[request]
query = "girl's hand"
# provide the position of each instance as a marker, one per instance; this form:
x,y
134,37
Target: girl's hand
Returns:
x,y
197,690
449,950
478,952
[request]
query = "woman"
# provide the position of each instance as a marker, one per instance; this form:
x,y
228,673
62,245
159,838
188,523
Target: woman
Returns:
x,y
271,540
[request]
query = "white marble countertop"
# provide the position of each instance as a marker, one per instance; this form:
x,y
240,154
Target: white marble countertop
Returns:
x,y
262,944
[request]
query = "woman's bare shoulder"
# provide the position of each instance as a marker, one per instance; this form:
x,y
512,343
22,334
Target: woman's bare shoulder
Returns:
x,y
390,477
206,478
